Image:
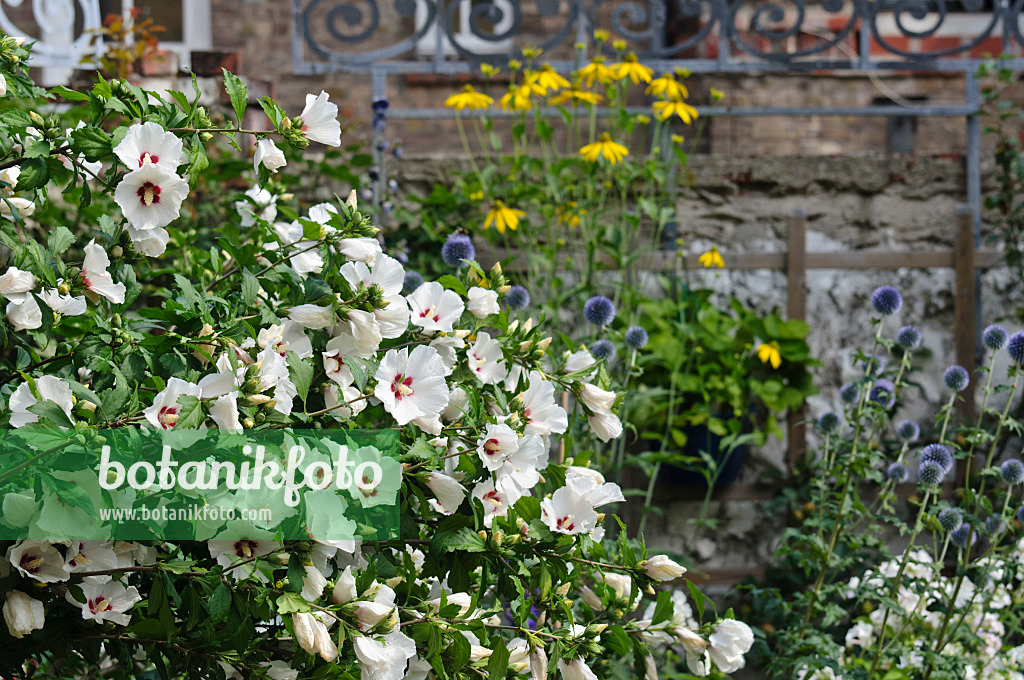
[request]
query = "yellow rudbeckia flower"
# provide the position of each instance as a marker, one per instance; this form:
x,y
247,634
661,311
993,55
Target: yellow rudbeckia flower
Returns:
x,y
712,258
596,70
503,217
630,68
675,107
605,147
549,79
576,96
517,98
570,214
468,99
769,353
667,86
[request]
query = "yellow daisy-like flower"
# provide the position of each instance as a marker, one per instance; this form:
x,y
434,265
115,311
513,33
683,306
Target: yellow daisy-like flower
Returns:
x,y
717,95
596,70
569,215
577,96
667,86
678,139
769,353
601,35
630,68
549,79
489,70
605,147
476,196
675,107
619,45
503,217
531,52
517,98
712,258
515,64
468,99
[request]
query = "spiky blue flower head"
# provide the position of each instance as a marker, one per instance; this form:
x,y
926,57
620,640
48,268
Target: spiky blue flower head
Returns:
x,y
930,474
599,310
1020,513
636,337
366,194
1012,471
848,393
994,525
897,472
956,378
603,349
908,338
1015,347
380,104
873,365
517,297
938,454
994,337
963,536
886,300
883,393
413,280
457,248
828,422
908,430
950,519
393,185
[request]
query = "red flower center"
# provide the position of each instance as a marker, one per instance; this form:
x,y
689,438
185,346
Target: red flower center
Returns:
x,y
401,386
149,194
168,416
147,157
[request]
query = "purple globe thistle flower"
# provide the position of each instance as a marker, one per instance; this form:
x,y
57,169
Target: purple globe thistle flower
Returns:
x,y
380,104
413,280
956,378
1012,471
908,430
636,337
938,454
393,185
950,519
396,151
603,349
1020,513
908,338
994,525
994,337
873,365
963,537
886,300
366,194
828,422
599,310
898,473
849,393
457,248
882,393
1015,347
517,297
930,474
388,207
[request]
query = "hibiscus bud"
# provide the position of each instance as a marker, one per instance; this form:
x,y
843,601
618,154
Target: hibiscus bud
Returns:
x,y
39,120
258,399
504,289
596,629
88,406
23,614
352,200
538,664
345,589
261,418
563,589
482,534
496,269
369,614
497,538
116,252
661,568
590,597
248,423
543,344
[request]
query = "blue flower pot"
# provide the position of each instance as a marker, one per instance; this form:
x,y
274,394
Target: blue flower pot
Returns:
x,y
700,438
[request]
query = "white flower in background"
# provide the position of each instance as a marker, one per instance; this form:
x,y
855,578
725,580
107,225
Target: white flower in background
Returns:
x,y
152,242
151,196
279,670
371,612
285,337
334,362
241,552
662,568
16,282
313,636
50,387
320,120
9,177
696,648
25,314
306,259
596,399
543,415
345,587
650,669
24,206
580,360
575,670
449,492
486,360
38,560
482,302
3,85
163,414
362,331
458,404
313,584
269,155
447,347
495,500
96,277
606,426
728,643
571,509
224,412
590,484
67,305
498,443
384,659
411,385
23,614
538,664
522,467
434,308
149,143
273,374
363,249
387,273
92,167
261,203
92,556
312,316
109,601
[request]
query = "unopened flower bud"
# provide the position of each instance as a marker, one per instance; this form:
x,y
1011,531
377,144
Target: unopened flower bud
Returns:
x,y
248,423
37,119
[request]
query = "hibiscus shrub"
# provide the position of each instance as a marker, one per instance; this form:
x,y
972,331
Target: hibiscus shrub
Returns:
x,y
114,320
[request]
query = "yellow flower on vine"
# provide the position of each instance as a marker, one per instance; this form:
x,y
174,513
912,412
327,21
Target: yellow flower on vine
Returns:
x,y
517,98
548,78
675,107
575,95
503,217
769,353
468,99
712,258
631,68
667,86
596,70
604,147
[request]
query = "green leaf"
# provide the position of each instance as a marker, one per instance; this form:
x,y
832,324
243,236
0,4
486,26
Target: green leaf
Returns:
x,y
291,603
698,599
463,539
497,665
197,160
52,412
663,608
250,287
219,604
34,174
71,494
191,415
452,283
59,240
461,650
148,629
301,373
296,573
237,92
91,142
